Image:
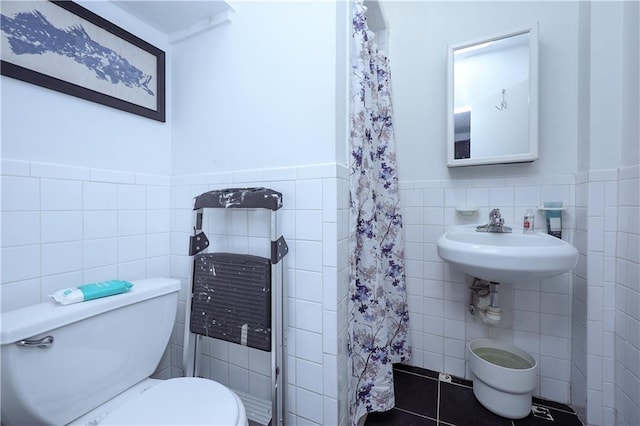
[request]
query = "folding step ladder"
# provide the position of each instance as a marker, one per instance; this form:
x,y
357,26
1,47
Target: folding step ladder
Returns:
x,y
240,298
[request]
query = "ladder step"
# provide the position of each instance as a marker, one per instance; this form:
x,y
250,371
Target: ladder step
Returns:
x,y
258,410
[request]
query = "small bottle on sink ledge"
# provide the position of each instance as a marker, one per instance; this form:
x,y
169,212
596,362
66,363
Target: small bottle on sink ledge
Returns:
x,y
528,223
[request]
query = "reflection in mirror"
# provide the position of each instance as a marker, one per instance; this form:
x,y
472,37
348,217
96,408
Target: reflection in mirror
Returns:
x,y
492,104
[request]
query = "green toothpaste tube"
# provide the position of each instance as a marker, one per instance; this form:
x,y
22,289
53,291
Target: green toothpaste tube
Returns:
x,y
91,291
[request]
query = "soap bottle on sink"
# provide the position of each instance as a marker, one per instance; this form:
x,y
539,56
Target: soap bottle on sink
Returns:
x,y
528,222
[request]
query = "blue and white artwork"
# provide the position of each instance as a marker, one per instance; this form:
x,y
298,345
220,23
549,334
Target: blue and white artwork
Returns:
x,y
46,38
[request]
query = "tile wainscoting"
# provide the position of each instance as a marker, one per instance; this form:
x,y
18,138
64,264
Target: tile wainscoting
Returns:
x,y
65,224
536,316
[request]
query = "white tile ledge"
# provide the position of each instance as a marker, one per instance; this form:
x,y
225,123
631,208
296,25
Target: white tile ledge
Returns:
x,y
311,171
36,169
59,171
15,168
317,171
629,172
603,175
559,180
150,179
112,176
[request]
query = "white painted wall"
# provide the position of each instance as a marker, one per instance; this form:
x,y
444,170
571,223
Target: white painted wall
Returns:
x,y
584,58
260,92
606,87
604,385
293,112
91,185
627,302
589,113
630,151
85,187
46,126
419,35
266,92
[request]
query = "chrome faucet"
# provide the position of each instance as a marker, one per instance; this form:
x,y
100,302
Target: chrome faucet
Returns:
x,y
496,223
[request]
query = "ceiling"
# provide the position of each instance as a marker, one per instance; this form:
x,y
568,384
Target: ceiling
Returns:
x,y
170,16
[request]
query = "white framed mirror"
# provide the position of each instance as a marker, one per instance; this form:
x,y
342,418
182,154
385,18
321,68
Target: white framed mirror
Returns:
x,y
492,100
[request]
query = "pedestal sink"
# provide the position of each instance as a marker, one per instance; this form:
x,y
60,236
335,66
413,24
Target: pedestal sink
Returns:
x,y
506,257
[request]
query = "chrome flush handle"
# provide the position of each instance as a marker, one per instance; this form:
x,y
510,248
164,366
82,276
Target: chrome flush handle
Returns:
x,y
43,343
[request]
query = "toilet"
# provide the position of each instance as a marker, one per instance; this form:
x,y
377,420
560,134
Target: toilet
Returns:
x,y
91,362
504,377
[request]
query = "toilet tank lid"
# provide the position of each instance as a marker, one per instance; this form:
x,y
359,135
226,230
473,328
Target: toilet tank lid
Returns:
x,y
32,320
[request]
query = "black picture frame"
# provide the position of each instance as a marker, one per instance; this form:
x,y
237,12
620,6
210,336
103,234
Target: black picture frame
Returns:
x,y
88,57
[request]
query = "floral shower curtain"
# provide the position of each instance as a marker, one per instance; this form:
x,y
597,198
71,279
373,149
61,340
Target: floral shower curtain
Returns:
x,y
379,318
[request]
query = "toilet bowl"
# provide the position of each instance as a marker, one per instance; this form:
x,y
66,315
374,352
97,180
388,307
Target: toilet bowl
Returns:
x,y
504,377
184,400
91,362
200,401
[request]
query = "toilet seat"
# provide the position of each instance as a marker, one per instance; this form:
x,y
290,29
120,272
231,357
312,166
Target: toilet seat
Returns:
x,y
183,400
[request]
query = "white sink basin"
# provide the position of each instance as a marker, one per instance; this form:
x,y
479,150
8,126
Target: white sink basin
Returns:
x,y
506,257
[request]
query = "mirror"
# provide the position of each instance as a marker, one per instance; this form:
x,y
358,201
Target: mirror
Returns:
x,y
492,107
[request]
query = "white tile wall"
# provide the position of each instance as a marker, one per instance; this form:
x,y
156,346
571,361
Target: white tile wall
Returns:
x,y
64,225
312,222
626,334
579,301
594,296
535,316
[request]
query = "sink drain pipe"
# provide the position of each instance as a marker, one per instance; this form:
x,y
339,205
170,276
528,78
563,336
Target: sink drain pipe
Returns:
x,y
484,301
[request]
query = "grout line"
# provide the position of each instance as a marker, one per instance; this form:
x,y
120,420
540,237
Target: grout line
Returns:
x,y
460,385
438,405
415,414
416,374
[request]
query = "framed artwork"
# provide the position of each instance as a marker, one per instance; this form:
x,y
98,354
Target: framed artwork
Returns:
x,y
62,46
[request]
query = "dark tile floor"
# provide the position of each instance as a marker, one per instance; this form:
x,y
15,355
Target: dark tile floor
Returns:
x,y
422,399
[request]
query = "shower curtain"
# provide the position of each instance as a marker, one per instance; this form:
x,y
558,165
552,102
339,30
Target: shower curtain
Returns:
x,y
379,318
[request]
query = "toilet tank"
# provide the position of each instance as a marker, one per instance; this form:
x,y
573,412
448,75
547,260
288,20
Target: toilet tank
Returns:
x,y
100,348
